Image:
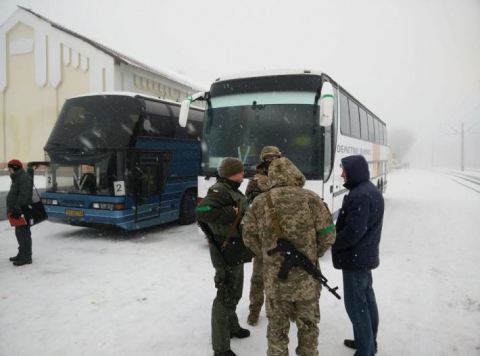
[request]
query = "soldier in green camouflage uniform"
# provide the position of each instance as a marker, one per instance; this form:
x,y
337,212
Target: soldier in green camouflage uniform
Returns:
x,y
257,185
219,210
307,223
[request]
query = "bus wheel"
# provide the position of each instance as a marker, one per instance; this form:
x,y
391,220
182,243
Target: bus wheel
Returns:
x,y
187,207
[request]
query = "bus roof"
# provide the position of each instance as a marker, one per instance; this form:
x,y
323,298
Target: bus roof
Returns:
x,y
269,73
129,94
277,72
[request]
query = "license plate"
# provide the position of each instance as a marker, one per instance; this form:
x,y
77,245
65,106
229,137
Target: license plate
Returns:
x,y
74,212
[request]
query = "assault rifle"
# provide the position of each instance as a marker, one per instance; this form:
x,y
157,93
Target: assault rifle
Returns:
x,y
217,250
293,258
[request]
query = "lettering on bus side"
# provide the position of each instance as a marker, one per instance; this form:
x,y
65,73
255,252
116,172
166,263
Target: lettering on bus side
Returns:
x,y
353,150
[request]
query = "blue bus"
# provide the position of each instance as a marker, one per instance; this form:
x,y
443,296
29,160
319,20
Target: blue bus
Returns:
x,y
121,159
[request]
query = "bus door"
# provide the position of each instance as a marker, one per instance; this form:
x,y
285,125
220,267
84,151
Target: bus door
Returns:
x,y
333,189
337,191
150,171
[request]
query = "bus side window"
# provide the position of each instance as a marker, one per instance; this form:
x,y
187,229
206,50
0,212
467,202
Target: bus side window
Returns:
x,y
371,129
377,131
344,115
354,119
161,118
363,125
194,130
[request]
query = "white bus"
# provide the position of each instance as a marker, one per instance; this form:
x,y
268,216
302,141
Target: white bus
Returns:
x,y
312,119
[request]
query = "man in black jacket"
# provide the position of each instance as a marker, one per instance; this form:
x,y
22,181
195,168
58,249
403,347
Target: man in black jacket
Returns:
x,y
18,199
222,209
356,252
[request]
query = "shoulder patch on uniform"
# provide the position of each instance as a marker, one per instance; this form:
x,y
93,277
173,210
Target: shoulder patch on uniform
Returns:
x,y
327,230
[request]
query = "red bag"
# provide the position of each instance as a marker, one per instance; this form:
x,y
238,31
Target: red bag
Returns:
x,y
16,222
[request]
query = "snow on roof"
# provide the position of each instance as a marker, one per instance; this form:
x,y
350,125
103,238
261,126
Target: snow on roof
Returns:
x,y
127,59
132,95
123,93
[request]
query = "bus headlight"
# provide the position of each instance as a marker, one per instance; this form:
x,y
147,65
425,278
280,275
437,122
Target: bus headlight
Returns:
x,y
108,206
50,201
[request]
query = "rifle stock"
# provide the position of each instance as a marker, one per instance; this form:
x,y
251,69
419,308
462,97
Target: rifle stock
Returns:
x,y
215,249
293,258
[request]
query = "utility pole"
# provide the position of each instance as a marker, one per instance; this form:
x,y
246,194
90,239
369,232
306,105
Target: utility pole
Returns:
x,y
462,165
433,153
463,149
462,141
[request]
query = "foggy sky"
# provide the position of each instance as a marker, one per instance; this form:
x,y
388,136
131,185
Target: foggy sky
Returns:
x,y
415,64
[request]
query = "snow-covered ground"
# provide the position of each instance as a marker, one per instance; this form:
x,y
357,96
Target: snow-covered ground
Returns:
x,y
91,292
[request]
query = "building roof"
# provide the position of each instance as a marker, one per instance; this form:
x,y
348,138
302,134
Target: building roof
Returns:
x,y
169,74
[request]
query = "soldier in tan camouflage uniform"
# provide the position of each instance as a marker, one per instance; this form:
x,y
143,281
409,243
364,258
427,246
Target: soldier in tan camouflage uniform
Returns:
x,y
257,185
307,223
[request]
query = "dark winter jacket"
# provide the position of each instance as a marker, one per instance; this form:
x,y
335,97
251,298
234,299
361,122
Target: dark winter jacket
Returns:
x,y
359,225
217,208
20,193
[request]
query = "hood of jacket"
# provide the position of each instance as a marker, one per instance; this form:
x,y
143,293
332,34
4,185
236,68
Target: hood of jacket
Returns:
x,y
356,170
14,176
282,172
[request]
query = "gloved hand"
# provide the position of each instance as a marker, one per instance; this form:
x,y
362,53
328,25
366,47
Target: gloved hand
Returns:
x,y
16,213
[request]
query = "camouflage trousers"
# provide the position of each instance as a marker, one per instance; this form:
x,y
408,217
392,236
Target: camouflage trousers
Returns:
x,y
256,286
307,317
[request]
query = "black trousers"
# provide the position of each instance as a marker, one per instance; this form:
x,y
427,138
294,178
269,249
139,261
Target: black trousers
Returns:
x,y
24,238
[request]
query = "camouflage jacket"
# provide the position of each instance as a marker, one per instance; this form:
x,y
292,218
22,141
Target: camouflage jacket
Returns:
x,y
258,183
304,220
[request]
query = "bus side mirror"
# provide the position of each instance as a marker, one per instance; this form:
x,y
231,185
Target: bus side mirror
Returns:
x,y
182,118
326,104
185,107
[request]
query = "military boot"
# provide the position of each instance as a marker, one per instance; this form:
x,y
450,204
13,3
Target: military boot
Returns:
x,y
253,318
23,261
240,333
15,258
224,353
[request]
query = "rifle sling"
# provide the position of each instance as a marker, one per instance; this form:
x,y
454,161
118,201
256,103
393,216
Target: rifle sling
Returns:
x,y
273,214
232,228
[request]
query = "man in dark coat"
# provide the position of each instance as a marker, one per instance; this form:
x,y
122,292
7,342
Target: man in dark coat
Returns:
x,y
219,209
356,252
18,199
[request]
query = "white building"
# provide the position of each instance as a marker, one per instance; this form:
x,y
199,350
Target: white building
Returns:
x,y
42,63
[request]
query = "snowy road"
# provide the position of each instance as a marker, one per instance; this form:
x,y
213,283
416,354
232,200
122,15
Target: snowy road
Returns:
x,y
150,293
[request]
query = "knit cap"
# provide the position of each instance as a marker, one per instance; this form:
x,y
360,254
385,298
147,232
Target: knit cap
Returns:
x,y
15,164
229,167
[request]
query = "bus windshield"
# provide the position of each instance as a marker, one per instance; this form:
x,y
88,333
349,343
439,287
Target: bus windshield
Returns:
x,y
243,130
92,122
90,175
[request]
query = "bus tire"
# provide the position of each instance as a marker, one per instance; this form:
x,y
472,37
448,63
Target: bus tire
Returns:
x,y
187,207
